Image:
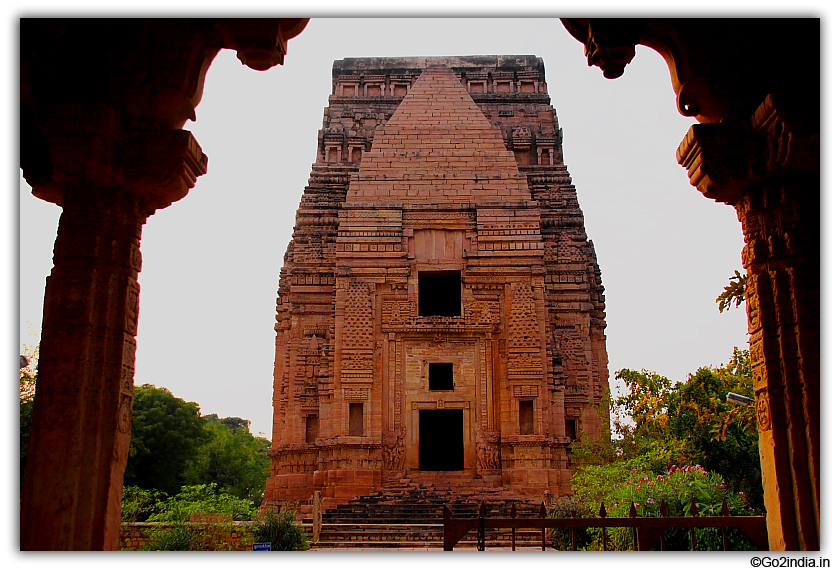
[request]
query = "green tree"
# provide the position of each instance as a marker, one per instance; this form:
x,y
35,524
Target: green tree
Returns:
x,y
691,423
167,435
232,458
672,442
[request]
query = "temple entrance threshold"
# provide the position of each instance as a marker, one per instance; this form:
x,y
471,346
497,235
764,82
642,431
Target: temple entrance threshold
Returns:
x,y
441,440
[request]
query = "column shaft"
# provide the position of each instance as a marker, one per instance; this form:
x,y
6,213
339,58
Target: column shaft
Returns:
x,y
781,231
82,417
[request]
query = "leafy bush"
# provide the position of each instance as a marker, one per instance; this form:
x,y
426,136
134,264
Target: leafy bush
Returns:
x,y
139,504
567,508
620,484
199,518
197,500
282,530
178,537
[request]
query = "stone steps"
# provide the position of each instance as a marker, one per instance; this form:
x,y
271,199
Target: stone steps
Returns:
x,y
414,535
405,514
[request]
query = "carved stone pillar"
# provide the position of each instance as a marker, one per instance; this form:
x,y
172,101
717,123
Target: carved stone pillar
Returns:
x,y
103,103
768,169
82,420
108,181
765,163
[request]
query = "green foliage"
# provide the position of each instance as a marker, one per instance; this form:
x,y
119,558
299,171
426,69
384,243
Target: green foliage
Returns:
x,y
166,436
623,483
232,458
196,500
179,537
735,292
138,504
691,423
173,445
282,530
666,425
200,517
600,449
566,508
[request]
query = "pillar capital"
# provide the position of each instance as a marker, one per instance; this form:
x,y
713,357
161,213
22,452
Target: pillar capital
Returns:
x,y
89,145
724,159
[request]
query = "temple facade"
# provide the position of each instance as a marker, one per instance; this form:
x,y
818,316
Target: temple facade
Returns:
x,y
440,310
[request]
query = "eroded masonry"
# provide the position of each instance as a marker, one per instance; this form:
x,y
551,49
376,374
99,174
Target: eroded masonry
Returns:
x,y
440,311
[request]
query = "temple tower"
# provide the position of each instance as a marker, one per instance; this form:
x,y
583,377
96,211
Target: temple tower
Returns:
x,y
440,310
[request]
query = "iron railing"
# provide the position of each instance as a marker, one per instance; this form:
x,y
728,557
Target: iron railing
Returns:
x,y
646,531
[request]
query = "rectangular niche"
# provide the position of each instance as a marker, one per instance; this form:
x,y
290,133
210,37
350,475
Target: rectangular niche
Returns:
x,y
311,428
441,376
526,417
357,419
571,429
439,293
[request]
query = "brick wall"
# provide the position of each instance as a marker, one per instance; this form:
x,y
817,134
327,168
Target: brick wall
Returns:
x,y
134,536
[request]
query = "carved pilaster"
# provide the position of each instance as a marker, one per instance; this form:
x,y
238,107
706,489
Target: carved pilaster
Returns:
x,y
783,307
768,169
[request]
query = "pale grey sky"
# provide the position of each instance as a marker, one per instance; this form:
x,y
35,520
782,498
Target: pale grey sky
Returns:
x,y
211,261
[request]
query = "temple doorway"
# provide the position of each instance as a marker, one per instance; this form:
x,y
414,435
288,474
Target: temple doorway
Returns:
x,y
441,440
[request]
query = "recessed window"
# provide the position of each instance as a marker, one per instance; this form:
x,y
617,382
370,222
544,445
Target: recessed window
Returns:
x,y
439,293
526,417
571,429
311,428
441,376
357,419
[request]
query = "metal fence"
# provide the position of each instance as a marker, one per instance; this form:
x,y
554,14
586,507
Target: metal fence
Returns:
x,y
647,532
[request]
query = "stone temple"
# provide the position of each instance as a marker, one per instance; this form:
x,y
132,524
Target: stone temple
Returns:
x,y
440,315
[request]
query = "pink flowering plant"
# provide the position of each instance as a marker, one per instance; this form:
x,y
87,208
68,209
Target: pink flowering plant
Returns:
x,y
624,483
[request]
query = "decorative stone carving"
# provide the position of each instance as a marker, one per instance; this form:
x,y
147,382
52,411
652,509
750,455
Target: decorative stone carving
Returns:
x,y
488,450
393,450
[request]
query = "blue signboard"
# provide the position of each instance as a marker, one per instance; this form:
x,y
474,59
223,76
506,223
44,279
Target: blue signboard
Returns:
x,y
262,546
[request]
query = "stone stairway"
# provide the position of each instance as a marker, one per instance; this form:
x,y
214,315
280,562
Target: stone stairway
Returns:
x,y
409,514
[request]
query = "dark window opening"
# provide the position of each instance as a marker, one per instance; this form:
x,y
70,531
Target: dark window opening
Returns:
x,y
439,293
357,419
311,428
441,376
526,417
441,446
571,429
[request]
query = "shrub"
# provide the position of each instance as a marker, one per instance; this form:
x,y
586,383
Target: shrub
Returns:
x,y
199,517
624,483
282,530
195,500
139,504
566,508
178,537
